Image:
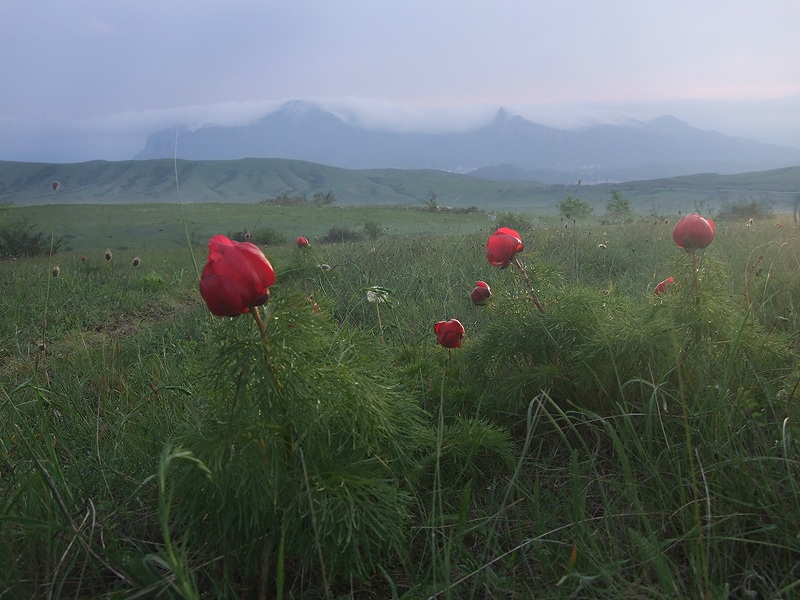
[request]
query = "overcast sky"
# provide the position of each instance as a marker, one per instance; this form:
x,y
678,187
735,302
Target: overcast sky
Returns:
x,y
85,79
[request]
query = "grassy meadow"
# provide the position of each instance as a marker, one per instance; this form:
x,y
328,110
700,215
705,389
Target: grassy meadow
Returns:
x,y
617,444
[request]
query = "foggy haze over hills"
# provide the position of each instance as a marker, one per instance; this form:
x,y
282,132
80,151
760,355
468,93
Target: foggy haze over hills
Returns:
x,y
507,147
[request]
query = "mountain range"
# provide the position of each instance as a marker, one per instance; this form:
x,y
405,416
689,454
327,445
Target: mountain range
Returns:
x,y
508,148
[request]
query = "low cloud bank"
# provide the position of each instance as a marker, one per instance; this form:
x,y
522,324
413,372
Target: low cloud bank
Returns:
x,y
120,136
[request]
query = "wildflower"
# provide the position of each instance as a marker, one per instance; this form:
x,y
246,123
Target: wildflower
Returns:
x,y
83,259
502,247
693,231
325,267
303,242
602,246
56,271
662,286
236,276
377,295
449,333
481,294
137,261
108,255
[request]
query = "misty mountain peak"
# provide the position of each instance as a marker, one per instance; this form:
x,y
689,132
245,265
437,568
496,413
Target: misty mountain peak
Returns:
x,y
669,123
302,130
501,117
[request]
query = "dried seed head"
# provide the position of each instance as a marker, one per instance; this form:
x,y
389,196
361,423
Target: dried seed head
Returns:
x,y
108,255
56,271
137,261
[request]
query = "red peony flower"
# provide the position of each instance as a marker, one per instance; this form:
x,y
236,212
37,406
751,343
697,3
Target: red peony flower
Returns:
x,y
303,242
449,333
662,287
237,275
502,246
693,231
481,294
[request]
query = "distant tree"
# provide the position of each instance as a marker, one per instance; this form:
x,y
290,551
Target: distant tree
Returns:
x,y
431,204
325,199
573,207
373,230
618,208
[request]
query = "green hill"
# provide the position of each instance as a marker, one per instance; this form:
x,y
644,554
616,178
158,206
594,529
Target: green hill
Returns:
x,y
253,180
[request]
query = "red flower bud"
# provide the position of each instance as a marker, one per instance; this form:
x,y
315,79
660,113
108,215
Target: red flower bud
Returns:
x,y
693,231
662,287
481,294
449,333
502,246
237,275
303,242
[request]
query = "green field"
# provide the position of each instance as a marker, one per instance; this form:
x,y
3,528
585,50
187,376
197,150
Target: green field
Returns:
x,y
136,227
616,444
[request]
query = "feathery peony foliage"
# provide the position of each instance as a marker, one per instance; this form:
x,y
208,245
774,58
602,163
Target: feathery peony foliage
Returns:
x,y
590,345
308,416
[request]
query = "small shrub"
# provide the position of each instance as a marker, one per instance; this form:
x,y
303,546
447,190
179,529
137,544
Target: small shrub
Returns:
x,y
619,208
19,239
373,230
573,207
342,234
744,210
152,282
515,221
261,237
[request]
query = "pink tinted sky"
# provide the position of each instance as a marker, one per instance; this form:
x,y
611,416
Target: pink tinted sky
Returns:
x,y
91,79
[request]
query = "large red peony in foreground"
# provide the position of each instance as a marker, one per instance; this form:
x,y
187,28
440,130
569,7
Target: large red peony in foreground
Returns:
x,y
237,276
503,246
693,231
449,333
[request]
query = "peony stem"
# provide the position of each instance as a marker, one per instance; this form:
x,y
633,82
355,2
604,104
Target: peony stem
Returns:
x,y
530,285
696,275
380,325
259,321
